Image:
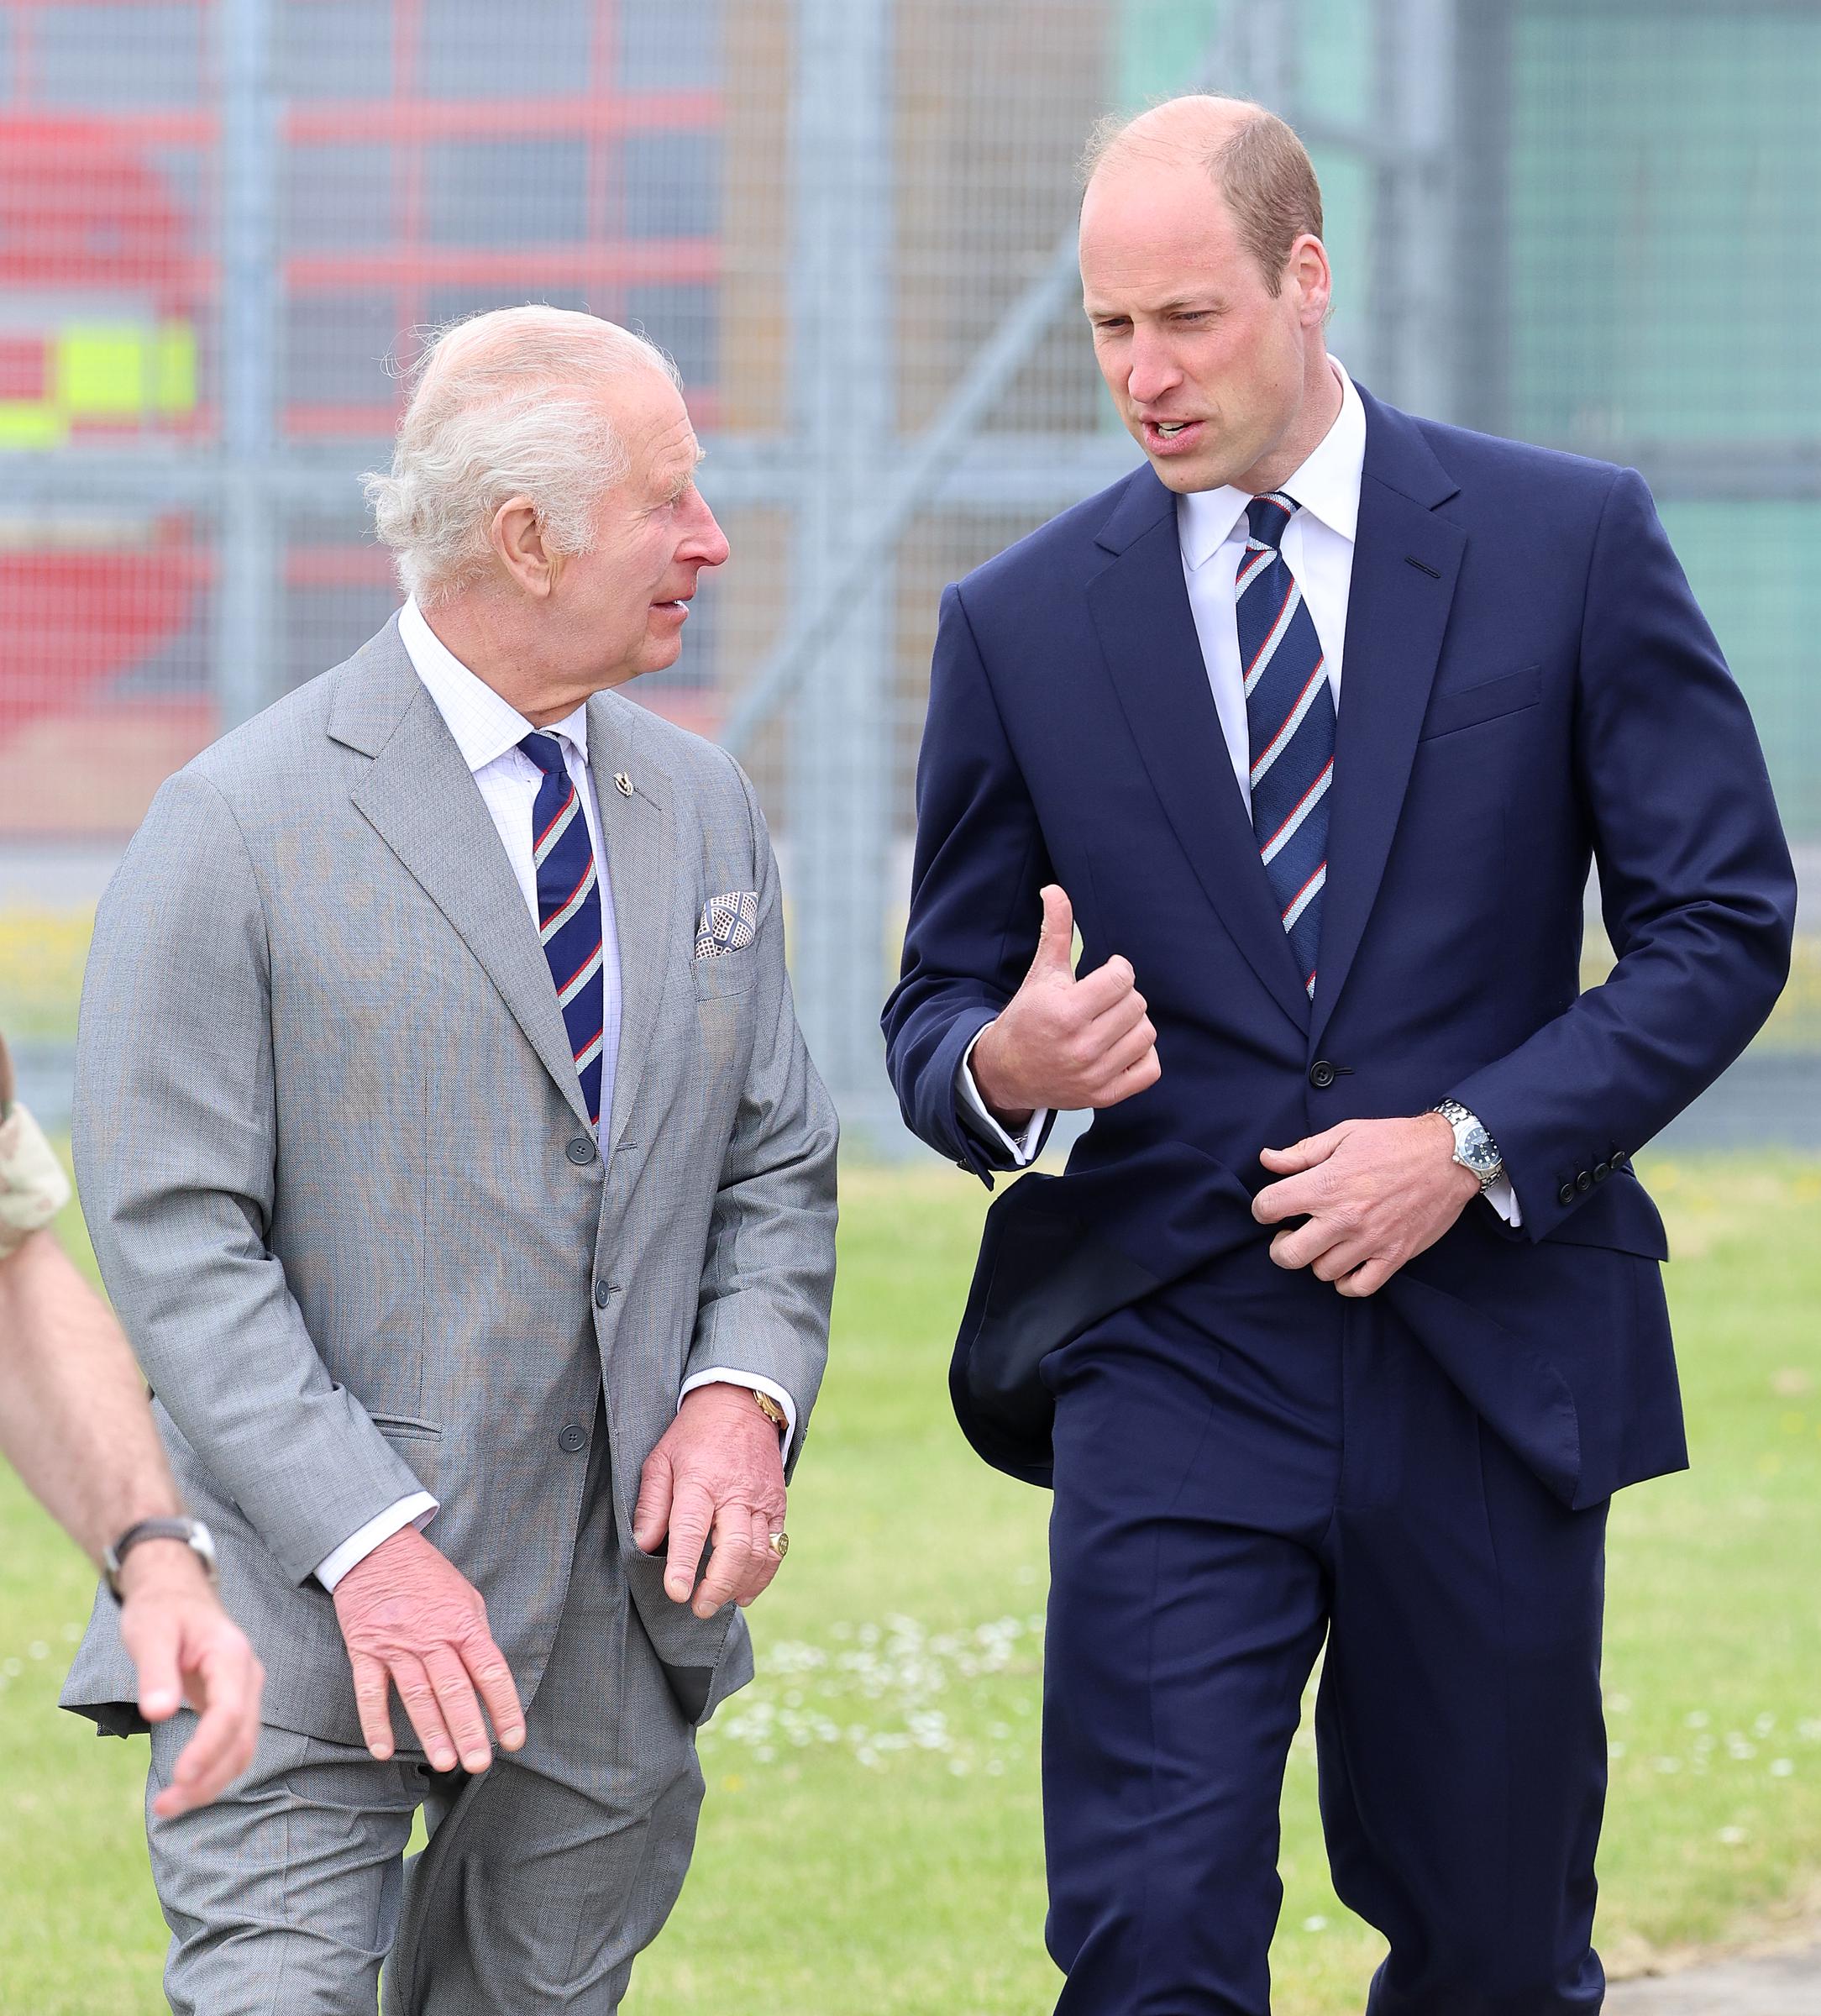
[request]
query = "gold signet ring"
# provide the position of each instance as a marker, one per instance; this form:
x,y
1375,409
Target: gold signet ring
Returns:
x,y
622,784
780,1545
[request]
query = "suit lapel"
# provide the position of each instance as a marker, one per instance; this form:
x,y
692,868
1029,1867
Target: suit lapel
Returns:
x,y
419,797
1140,605
1405,564
636,836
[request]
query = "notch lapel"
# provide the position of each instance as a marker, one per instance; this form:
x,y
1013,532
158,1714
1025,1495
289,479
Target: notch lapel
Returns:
x,y
637,837
1406,562
420,798
1140,605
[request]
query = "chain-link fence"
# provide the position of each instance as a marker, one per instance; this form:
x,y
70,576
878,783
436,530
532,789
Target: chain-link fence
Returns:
x,y
225,223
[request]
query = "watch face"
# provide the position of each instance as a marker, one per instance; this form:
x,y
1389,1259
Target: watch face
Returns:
x,y
1477,1149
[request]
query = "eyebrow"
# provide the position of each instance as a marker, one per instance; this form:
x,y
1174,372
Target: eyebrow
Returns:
x,y
1163,308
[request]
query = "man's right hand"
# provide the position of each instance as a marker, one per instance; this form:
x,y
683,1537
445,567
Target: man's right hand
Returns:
x,y
185,1647
1064,1043
411,1621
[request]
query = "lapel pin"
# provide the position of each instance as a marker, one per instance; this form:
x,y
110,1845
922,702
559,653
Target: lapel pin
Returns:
x,y
622,784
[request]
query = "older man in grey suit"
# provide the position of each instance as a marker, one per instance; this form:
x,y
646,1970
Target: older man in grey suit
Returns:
x,y
453,1160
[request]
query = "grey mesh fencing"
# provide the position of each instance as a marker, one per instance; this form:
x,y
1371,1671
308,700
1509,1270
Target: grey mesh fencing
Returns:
x,y
226,224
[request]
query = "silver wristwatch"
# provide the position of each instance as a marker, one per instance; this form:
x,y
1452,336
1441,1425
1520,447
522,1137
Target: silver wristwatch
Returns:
x,y
194,1535
1474,1148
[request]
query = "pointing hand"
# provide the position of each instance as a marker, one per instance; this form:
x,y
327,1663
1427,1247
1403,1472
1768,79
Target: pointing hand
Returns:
x,y
1062,1042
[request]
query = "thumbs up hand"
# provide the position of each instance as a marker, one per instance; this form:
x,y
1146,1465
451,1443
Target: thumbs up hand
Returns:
x,y
1066,1043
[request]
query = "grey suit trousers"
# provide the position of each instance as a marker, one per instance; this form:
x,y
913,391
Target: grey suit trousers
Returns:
x,y
543,1877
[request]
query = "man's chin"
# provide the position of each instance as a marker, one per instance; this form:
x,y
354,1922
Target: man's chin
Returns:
x,y
659,655
1184,476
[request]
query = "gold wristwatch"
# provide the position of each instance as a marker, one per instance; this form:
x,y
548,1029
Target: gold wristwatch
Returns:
x,y
772,1412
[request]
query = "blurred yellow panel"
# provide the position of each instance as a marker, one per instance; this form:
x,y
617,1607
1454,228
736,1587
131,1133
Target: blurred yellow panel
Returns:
x,y
173,366
27,423
102,370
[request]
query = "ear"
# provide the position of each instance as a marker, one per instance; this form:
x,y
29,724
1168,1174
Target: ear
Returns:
x,y
1310,274
516,535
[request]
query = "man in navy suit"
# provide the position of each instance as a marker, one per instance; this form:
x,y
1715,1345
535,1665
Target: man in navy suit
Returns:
x,y
1347,1319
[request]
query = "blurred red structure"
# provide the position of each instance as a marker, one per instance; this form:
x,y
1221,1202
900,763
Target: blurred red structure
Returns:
x,y
109,292
103,298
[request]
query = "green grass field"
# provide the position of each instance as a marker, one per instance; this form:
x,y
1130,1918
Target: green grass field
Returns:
x,y
870,1845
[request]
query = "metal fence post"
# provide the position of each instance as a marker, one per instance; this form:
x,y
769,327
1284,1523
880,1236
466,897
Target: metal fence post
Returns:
x,y
248,606
1413,314
844,418
1481,156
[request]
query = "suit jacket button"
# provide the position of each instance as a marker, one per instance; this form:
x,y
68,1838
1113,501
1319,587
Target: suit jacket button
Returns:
x,y
1602,1170
1321,1075
603,1293
581,1151
572,1440
1584,1181
1566,1193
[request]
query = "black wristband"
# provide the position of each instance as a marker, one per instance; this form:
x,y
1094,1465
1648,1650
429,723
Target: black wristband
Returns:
x,y
194,1535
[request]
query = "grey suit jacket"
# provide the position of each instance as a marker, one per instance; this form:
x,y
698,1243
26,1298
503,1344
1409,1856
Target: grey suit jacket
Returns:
x,y
340,1180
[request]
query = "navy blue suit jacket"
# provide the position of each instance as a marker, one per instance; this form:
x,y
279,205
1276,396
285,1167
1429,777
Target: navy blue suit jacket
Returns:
x,y
1529,686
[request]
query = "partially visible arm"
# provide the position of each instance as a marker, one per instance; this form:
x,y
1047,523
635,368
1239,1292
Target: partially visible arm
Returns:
x,y
1697,893
768,1276
975,904
74,1420
768,1272
1696,884
73,1417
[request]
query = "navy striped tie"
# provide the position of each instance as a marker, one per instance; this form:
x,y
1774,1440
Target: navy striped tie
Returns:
x,y
1289,723
569,910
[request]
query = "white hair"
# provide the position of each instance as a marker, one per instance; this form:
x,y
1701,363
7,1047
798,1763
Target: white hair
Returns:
x,y
503,405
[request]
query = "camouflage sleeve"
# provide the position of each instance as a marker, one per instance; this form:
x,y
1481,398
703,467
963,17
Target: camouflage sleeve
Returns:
x,y
33,1187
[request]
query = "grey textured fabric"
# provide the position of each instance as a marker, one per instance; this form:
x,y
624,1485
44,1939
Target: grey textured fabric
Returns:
x,y
333,1156
544,1878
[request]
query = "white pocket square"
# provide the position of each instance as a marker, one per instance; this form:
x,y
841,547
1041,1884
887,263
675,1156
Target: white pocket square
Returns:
x,y
727,923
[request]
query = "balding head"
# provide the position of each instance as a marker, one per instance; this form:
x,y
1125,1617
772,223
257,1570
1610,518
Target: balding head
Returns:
x,y
1252,157
1206,283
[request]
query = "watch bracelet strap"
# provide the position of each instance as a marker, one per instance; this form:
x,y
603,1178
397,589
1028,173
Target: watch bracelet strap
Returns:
x,y
1454,1112
167,1527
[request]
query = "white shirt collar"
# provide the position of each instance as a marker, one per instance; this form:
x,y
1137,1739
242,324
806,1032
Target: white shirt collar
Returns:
x,y
1326,486
485,726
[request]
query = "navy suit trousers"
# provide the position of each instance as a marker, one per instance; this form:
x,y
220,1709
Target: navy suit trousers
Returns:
x,y
1247,1466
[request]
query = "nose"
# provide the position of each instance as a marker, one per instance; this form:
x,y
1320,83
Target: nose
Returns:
x,y
1151,371
705,544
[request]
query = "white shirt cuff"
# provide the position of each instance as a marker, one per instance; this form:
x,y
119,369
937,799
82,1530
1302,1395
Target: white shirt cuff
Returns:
x,y
1504,1199
722,1375
1023,1151
418,1510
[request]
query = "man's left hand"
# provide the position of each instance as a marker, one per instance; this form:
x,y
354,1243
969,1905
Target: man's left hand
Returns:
x,y
1375,1193
718,1470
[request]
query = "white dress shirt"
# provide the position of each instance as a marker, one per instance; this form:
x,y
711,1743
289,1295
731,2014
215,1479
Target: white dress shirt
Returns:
x,y
1211,528
488,731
